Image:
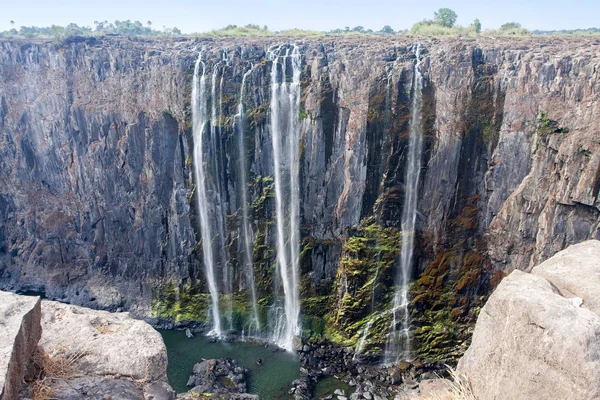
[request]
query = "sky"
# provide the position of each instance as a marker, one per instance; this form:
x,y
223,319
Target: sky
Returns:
x,y
203,15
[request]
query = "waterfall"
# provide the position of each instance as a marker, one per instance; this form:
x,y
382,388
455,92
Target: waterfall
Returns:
x,y
221,214
361,343
200,120
284,114
398,343
254,327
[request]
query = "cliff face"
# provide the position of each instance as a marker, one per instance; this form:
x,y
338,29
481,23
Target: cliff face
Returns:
x,y
97,196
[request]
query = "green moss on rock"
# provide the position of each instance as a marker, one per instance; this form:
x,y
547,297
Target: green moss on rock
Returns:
x,y
364,284
177,304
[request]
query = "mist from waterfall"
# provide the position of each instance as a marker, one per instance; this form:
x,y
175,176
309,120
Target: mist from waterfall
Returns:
x,y
398,342
285,119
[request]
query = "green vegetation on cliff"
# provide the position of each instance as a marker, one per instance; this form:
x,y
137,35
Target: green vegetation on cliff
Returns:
x,y
190,304
187,303
364,284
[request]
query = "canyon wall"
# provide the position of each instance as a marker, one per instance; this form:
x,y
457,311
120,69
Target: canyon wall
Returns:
x,y
97,196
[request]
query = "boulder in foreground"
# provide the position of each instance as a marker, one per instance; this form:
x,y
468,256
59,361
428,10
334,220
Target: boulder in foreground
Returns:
x,y
576,273
532,341
105,343
20,331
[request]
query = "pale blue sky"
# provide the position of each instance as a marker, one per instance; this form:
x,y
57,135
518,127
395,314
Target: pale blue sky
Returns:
x,y
203,15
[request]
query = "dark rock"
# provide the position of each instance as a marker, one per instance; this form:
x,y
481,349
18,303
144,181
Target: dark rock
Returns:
x,y
218,376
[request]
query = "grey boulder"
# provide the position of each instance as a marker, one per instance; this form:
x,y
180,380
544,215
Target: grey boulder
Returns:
x,y
531,342
20,331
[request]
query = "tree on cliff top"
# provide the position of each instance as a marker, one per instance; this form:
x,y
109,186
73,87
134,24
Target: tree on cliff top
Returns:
x,y
512,28
445,17
387,29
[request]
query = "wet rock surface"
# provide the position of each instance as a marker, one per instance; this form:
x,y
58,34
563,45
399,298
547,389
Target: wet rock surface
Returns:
x,y
368,380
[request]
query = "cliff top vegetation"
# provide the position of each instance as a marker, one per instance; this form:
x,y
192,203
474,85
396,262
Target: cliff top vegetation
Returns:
x,y
442,24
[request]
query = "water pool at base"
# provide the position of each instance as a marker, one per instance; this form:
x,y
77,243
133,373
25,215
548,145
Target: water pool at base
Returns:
x,y
271,380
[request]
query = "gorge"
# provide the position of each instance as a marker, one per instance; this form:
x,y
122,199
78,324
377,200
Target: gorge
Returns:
x,y
278,188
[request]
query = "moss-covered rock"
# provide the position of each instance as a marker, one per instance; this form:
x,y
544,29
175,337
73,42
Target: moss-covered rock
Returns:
x,y
187,303
364,284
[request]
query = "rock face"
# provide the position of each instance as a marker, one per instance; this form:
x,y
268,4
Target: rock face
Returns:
x,y
20,331
97,196
531,341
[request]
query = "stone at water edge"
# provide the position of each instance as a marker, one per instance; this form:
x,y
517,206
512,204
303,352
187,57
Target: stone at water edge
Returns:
x,y
20,331
531,342
218,376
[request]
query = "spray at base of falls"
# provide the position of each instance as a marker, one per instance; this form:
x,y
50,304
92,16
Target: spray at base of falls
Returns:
x,y
200,120
254,327
398,343
284,113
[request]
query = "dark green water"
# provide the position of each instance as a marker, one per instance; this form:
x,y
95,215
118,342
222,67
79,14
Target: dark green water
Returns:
x,y
271,380
326,386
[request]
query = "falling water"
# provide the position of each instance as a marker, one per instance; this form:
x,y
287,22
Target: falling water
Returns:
x,y
284,109
254,327
361,343
365,332
220,215
398,344
200,120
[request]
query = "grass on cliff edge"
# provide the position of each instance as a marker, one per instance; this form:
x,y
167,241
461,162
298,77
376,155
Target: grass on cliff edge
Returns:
x,y
458,388
256,31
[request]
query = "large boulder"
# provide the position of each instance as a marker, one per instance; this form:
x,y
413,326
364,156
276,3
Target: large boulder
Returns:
x,y
20,331
218,376
531,342
576,273
104,343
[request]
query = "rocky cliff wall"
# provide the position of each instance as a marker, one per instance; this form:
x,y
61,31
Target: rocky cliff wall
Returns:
x,y
97,194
